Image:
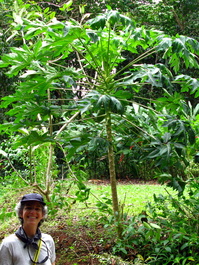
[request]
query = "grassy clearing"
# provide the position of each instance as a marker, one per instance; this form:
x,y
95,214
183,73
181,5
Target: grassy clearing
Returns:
x,y
133,197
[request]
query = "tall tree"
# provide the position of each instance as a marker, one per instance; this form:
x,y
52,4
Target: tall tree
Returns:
x,y
107,90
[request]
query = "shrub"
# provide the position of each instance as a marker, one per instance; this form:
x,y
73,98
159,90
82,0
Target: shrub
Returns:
x,y
167,234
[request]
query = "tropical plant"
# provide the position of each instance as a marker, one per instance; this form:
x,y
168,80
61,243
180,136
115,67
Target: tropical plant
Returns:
x,y
99,75
167,233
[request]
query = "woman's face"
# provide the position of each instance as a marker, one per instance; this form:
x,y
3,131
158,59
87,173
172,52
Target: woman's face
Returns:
x,y
32,213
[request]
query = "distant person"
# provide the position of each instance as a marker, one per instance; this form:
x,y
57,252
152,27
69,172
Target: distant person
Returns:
x,y
28,246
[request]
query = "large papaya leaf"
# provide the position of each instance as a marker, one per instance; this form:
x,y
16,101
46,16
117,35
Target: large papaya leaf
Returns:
x,y
188,83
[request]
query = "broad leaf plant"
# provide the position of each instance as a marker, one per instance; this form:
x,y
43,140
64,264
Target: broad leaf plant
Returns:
x,y
91,73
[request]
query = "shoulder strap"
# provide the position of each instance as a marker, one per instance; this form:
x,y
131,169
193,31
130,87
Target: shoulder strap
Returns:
x,y
36,256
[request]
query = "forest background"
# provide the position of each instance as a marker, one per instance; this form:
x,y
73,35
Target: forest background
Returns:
x,y
101,91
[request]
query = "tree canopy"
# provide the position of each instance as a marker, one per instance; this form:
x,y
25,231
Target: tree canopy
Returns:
x,y
100,93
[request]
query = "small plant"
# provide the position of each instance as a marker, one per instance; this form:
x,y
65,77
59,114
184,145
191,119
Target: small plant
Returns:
x,y
176,240
104,204
192,170
109,259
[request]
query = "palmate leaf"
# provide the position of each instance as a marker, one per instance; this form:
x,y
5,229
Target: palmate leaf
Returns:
x,y
15,69
156,75
110,104
113,17
4,63
103,53
181,130
188,84
101,103
179,49
56,36
62,45
122,94
172,101
6,101
18,101
128,80
34,138
75,144
84,105
37,27
193,44
43,77
18,59
88,102
39,85
97,22
93,36
177,184
165,71
165,43
26,111
97,142
25,58
9,127
22,58
140,37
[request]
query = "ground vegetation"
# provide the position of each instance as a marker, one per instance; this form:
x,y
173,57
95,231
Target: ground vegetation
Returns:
x,y
102,95
162,229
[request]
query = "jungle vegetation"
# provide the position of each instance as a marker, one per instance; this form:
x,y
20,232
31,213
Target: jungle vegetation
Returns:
x,y
99,91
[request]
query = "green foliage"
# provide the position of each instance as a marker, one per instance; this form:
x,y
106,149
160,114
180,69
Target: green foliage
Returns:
x,y
167,233
175,133
78,90
13,159
104,204
108,259
193,170
180,225
101,85
9,188
173,17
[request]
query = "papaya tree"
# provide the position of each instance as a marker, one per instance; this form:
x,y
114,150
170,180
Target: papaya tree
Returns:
x,y
115,82
107,80
35,103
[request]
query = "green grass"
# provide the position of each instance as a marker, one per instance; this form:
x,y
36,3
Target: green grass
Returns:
x,y
134,197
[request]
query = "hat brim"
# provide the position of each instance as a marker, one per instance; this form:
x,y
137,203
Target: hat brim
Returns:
x,y
33,200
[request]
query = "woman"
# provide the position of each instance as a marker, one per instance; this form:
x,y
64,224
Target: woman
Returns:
x,y
28,246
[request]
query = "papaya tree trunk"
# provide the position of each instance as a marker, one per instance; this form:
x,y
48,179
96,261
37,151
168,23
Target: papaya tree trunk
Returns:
x,y
112,173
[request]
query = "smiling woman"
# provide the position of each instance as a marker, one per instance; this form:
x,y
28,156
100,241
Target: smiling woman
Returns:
x,y
28,245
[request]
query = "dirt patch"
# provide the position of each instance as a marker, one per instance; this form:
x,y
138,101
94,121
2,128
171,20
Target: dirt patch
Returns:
x,y
75,244
78,244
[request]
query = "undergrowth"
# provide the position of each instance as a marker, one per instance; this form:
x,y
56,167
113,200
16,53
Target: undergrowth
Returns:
x,y
164,230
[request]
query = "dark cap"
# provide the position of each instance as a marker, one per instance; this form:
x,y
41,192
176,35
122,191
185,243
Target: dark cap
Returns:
x,y
33,197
